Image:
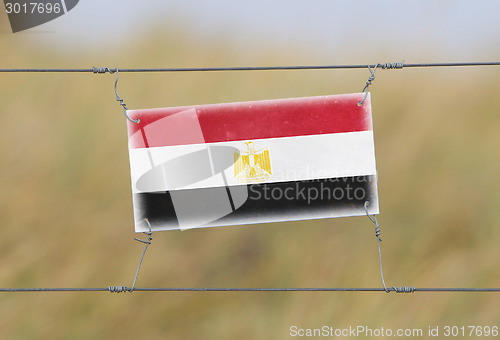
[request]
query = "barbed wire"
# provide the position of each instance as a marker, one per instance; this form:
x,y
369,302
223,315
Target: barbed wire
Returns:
x,y
398,65
120,289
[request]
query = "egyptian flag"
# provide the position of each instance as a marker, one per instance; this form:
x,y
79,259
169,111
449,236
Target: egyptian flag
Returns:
x,y
252,162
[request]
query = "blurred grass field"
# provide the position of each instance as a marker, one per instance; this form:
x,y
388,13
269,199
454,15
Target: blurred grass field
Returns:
x,y
66,210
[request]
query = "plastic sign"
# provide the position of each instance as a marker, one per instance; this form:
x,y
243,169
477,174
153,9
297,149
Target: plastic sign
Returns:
x,y
252,162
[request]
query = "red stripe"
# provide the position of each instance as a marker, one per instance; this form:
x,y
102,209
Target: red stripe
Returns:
x,y
250,120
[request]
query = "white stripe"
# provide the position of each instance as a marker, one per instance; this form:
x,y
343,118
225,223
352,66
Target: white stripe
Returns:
x,y
64,6
292,159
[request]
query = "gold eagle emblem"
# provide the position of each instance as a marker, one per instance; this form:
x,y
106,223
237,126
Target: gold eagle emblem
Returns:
x,y
252,165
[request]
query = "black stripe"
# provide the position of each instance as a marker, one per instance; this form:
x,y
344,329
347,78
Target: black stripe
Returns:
x,y
284,201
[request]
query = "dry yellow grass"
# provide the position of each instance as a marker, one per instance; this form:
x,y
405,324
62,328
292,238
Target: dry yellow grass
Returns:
x,y
66,214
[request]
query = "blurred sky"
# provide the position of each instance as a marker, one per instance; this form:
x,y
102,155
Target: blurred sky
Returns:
x,y
418,30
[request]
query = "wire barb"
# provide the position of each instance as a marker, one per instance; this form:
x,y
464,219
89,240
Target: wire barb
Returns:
x,y
404,289
102,70
393,66
118,289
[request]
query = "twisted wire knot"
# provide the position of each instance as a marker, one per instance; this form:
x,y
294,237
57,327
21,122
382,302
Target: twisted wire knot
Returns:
x,y
378,232
403,289
392,66
374,221
118,289
369,81
148,241
103,70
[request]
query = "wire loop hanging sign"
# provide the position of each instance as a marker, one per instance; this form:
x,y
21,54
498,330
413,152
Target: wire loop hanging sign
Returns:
x,y
118,98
